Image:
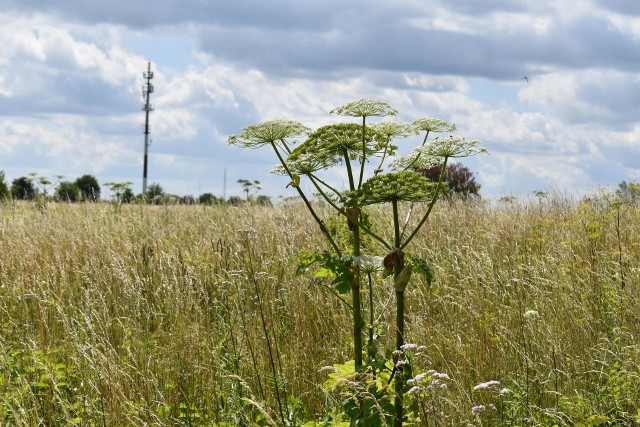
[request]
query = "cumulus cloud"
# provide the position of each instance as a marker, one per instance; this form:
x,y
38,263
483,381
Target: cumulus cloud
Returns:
x,y
71,75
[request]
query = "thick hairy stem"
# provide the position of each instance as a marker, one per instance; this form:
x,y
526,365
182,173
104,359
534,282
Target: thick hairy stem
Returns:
x,y
397,268
355,287
370,348
357,310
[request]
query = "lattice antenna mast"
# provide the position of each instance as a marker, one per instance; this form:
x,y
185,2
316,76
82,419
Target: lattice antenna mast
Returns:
x,y
147,90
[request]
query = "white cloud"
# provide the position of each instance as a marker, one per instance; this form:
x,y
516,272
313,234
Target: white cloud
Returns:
x,y
71,77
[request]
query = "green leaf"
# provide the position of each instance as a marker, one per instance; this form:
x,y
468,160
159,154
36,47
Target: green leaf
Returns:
x,y
421,267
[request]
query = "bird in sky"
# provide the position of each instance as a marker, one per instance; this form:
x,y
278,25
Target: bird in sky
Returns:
x,y
526,78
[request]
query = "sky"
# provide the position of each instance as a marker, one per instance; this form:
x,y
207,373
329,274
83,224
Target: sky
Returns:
x,y
71,81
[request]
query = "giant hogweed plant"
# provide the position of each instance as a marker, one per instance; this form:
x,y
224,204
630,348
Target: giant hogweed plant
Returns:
x,y
307,156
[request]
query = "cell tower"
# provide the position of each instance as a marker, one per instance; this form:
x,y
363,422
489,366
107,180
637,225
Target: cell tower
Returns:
x,y
147,90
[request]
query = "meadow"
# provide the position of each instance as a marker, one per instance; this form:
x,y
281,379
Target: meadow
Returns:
x,y
136,315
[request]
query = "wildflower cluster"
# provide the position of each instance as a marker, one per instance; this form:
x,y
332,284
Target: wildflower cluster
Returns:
x,y
428,381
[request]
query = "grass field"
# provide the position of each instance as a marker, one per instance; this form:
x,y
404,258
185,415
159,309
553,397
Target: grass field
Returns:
x,y
192,315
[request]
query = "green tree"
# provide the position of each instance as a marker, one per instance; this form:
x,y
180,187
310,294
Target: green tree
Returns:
x,y
22,189
89,188
629,192
208,199
459,179
127,195
155,193
68,192
263,200
4,189
234,201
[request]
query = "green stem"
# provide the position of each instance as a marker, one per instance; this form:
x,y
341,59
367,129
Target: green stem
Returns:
x,y
315,216
314,180
314,176
267,335
384,154
431,204
357,310
364,150
341,211
347,162
355,287
397,268
424,141
286,147
371,318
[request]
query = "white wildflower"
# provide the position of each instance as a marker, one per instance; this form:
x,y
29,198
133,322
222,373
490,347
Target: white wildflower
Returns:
x,y
531,314
393,129
369,264
504,391
486,385
431,124
365,107
441,375
414,390
420,377
237,273
452,146
477,410
408,346
269,132
419,158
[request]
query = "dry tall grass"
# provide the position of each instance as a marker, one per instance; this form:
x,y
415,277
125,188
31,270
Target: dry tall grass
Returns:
x,y
165,315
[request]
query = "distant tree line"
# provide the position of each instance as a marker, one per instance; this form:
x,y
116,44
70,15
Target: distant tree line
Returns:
x,y
87,189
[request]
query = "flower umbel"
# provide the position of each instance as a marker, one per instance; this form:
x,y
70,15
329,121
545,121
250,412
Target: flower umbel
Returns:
x,y
269,132
453,146
304,164
431,124
365,107
328,144
419,158
369,264
399,186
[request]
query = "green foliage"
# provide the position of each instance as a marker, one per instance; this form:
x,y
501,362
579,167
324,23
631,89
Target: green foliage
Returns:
x,y
208,199
23,189
4,190
629,192
68,192
155,193
338,272
89,188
